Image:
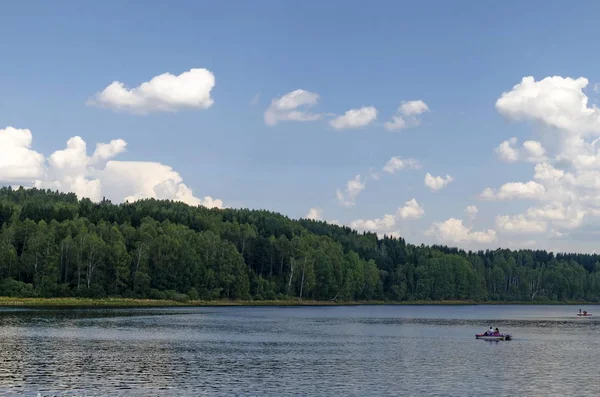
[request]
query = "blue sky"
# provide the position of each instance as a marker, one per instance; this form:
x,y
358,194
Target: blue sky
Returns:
x,y
457,57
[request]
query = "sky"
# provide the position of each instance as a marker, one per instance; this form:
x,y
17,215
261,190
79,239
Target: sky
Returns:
x,y
468,124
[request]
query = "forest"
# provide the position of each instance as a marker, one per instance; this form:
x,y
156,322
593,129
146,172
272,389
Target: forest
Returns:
x,y
54,245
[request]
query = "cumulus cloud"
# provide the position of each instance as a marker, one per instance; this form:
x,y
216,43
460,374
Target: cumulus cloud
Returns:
x,y
163,93
96,176
515,190
566,174
531,151
411,210
377,225
556,102
413,108
437,182
355,118
292,107
534,151
453,231
471,211
387,224
520,224
314,214
506,151
105,151
353,188
561,215
397,163
136,180
18,162
407,115
546,172
397,123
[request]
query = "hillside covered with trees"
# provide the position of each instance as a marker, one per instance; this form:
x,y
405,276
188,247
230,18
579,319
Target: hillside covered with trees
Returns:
x,y
54,245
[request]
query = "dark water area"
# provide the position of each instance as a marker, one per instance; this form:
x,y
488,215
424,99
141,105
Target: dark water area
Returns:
x,y
300,351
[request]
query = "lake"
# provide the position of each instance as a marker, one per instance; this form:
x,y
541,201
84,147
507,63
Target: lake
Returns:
x,y
300,351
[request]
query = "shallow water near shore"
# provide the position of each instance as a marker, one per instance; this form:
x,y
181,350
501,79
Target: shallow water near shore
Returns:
x,y
299,351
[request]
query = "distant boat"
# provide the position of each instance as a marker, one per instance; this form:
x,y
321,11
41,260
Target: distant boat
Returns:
x,y
584,314
493,337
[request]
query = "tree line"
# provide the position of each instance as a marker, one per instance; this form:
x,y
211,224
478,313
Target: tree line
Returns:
x,y
54,245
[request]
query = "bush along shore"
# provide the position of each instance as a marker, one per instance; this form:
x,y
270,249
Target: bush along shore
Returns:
x,y
152,252
132,302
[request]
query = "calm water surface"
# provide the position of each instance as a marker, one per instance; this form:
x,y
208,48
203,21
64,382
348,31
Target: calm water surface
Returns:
x,y
301,351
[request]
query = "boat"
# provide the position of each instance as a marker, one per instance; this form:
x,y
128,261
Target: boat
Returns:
x,y
584,314
485,336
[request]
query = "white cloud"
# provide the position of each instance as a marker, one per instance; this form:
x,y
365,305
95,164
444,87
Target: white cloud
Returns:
x,y
72,170
471,211
105,151
386,225
531,151
136,180
546,172
566,173
507,152
437,182
554,101
163,93
411,210
515,190
453,231
377,225
355,118
561,215
354,186
413,108
69,170
534,151
397,123
520,224
18,163
314,214
406,116
292,107
397,163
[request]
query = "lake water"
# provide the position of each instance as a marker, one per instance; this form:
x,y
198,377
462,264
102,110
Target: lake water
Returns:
x,y
300,351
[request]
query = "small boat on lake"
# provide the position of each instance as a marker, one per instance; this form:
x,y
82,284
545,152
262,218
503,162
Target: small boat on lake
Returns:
x,y
583,314
485,336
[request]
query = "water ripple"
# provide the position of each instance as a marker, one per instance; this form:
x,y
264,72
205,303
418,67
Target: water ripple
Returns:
x,y
296,352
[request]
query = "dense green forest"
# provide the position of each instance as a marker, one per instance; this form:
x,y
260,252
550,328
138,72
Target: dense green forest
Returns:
x,y
54,245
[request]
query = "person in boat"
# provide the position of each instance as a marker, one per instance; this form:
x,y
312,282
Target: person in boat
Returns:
x,y
490,331
496,332
579,311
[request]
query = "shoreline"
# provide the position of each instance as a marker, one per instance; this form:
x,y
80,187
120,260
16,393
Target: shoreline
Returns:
x,y
139,303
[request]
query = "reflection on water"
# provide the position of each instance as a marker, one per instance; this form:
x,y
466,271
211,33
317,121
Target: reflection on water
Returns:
x,y
316,351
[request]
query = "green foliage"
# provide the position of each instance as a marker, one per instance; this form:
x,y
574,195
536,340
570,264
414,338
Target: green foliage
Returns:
x,y
54,245
17,289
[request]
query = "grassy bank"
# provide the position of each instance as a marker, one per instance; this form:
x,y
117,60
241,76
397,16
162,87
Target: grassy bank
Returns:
x,y
127,302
